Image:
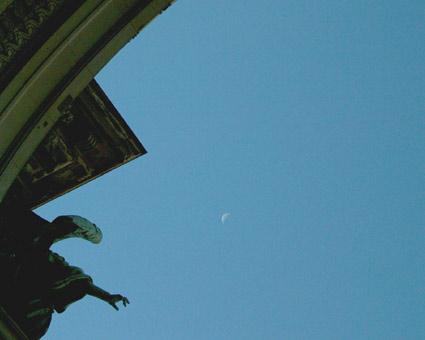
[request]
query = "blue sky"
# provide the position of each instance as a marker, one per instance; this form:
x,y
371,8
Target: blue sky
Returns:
x,y
305,121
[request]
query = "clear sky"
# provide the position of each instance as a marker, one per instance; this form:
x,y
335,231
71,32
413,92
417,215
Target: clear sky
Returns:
x,y
302,119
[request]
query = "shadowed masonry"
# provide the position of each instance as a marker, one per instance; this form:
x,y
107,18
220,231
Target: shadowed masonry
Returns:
x,y
90,139
58,131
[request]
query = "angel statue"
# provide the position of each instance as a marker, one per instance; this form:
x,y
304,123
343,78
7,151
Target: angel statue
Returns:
x,y
35,281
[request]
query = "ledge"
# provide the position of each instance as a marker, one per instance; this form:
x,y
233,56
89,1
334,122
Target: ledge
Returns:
x,y
88,141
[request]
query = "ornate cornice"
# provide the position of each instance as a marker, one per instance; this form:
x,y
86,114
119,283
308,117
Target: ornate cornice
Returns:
x,y
62,55
24,26
19,23
90,139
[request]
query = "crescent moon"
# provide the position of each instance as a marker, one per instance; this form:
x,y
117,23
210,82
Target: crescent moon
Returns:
x,y
224,217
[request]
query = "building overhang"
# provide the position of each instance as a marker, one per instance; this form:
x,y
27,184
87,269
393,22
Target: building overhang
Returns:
x,y
87,141
48,62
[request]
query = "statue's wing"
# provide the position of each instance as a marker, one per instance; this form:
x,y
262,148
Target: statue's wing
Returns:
x,y
80,228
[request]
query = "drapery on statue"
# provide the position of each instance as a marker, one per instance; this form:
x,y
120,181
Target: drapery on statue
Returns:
x,y
35,281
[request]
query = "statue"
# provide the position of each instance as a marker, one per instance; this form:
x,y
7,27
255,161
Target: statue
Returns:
x,y
35,281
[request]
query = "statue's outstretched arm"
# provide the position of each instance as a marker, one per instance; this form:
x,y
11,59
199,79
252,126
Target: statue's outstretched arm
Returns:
x,y
112,299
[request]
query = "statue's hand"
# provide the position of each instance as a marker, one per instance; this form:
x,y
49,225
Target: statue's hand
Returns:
x,y
114,298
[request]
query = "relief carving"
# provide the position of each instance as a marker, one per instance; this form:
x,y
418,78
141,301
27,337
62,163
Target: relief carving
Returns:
x,y
20,22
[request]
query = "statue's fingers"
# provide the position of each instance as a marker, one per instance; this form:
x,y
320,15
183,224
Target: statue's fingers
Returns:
x,y
125,301
114,305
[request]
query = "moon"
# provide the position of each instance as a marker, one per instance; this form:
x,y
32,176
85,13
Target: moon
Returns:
x,y
224,217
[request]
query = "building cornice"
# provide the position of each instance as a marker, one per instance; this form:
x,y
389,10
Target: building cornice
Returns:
x,y
71,56
25,28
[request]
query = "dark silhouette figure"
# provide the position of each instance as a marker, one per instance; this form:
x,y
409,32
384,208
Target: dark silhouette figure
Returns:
x,y
35,281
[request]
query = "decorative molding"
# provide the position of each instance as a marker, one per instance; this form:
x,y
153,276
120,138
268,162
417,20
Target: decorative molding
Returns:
x,y
25,25
90,139
20,22
61,59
